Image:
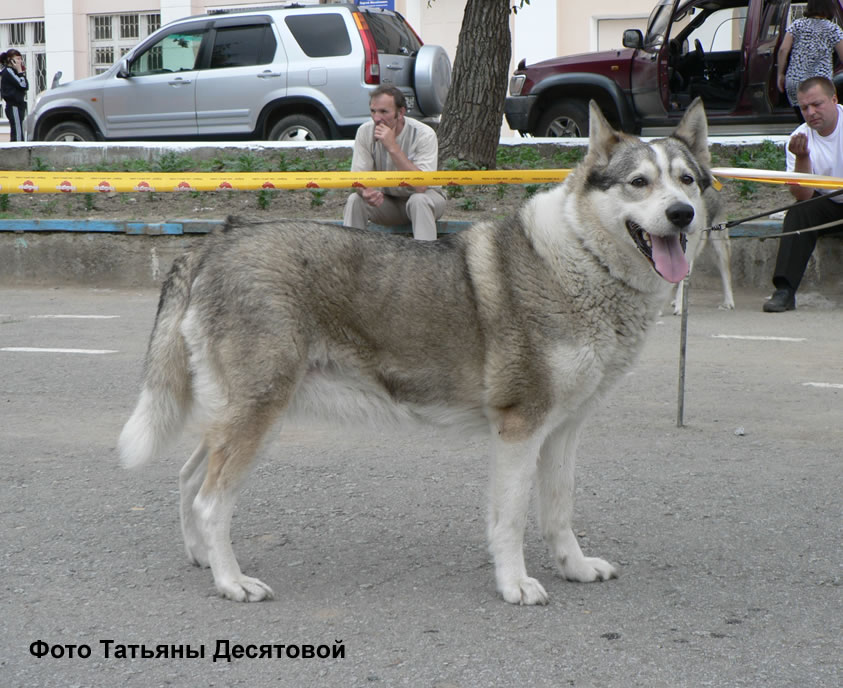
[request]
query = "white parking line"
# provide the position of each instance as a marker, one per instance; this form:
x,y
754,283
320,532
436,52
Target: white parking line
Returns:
x,y
824,385
755,338
38,350
78,317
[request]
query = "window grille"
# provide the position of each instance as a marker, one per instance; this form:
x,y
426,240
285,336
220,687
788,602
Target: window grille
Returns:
x,y
114,35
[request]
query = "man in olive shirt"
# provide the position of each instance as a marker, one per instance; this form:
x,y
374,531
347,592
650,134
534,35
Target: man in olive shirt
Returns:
x,y
390,141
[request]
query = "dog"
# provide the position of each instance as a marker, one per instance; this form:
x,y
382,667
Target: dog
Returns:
x,y
722,247
513,329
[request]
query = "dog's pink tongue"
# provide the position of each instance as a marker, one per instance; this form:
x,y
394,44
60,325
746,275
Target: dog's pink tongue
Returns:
x,y
669,258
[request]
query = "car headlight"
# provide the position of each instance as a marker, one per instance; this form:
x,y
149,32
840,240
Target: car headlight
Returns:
x,y
516,83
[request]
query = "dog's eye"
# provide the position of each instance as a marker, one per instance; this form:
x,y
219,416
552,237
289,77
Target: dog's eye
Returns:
x,y
639,182
686,179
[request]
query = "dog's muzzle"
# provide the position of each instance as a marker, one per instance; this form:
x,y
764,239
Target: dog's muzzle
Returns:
x,y
665,253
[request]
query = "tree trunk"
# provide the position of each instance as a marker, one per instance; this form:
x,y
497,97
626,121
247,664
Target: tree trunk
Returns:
x,y
471,121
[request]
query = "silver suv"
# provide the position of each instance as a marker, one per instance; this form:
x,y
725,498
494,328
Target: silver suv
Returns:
x,y
277,74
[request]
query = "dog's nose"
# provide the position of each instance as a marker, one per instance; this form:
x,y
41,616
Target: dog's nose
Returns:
x,y
680,214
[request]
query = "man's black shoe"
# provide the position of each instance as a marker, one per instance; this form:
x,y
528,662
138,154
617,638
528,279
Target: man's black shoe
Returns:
x,y
782,300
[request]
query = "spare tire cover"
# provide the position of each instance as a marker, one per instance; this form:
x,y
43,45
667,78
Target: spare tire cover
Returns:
x,y
433,79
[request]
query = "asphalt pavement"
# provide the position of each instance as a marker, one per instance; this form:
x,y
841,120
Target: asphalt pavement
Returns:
x,y
727,531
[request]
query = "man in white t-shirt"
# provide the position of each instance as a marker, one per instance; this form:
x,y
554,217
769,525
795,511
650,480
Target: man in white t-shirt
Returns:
x,y
391,141
815,147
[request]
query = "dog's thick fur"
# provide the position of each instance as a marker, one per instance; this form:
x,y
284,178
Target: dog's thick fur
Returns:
x,y
513,328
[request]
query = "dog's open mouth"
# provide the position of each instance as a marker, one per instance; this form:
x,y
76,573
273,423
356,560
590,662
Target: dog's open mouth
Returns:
x,y
666,254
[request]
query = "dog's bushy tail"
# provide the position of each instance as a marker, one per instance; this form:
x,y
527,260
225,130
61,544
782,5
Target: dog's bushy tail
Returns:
x,y
166,396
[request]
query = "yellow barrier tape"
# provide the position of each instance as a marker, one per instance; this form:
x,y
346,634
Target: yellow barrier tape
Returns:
x,y
104,182
816,181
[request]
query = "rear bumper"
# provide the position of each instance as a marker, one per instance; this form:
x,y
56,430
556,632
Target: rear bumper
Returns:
x,y
517,110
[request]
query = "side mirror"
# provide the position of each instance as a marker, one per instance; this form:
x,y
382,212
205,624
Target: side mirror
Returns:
x,y
633,38
56,79
123,70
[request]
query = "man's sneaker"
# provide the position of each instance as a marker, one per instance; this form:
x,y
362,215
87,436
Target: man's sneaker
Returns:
x,y
782,300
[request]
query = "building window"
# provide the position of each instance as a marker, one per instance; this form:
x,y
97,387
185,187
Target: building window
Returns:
x,y
113,35
102,28
17,34
130,26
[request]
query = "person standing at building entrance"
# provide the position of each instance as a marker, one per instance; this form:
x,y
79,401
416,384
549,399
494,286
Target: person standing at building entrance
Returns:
x,y
13,88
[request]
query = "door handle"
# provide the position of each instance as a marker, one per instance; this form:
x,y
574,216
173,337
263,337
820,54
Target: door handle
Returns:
x,y
269,75
180,82
395,67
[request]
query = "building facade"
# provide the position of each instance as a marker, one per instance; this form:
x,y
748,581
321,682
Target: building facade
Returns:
x,y
80,38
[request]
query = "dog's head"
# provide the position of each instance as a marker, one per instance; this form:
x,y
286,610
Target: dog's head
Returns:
x,y
649,195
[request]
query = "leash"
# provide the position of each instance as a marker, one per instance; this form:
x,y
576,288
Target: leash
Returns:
x,y
732,223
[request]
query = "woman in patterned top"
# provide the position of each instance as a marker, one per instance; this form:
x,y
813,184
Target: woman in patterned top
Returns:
x,y
810,43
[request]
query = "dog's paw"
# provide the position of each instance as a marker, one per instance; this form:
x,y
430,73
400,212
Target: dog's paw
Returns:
x,y
524,591
245,589
587,569
727,306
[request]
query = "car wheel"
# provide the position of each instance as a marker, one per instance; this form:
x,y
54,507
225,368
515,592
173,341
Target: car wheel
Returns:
x,y
568,118
432,73
298,128
70,131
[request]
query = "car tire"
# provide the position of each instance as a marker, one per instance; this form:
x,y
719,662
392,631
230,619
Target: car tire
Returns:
x,y
565,119
432,74
298,128
70,131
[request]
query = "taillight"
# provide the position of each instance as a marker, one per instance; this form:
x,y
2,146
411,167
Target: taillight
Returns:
x,y
372,68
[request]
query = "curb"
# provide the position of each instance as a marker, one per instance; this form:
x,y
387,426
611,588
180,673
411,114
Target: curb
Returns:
x,y
755,228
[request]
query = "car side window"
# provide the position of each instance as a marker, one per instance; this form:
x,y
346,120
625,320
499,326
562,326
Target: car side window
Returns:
x,y
392,35
320,35
243,46
175,52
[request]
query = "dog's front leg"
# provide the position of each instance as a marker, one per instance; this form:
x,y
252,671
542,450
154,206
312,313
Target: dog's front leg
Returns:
x,y
557,459
513,469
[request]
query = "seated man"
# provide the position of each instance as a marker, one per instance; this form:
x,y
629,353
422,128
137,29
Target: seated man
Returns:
x,y
814,147
392,142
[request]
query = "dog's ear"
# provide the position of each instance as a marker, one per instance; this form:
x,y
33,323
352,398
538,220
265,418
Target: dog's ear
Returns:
x,y
692,130
602,138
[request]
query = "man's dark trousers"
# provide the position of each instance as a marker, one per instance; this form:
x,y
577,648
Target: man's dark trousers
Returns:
x,y
796,250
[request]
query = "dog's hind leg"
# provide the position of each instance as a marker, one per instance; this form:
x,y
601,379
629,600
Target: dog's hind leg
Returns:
x,y
556,506
513,470
723,248
190,480
231,449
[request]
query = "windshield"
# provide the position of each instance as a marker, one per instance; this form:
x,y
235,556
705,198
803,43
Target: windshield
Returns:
x,y
658,23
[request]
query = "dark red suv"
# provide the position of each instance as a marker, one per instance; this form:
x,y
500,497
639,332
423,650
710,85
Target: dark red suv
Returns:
x,y
721,50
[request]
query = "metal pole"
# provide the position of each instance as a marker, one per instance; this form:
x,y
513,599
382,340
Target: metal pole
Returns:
x,y
683,340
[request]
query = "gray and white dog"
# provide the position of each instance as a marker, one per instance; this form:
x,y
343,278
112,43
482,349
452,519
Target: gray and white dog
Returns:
x,y
512,328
